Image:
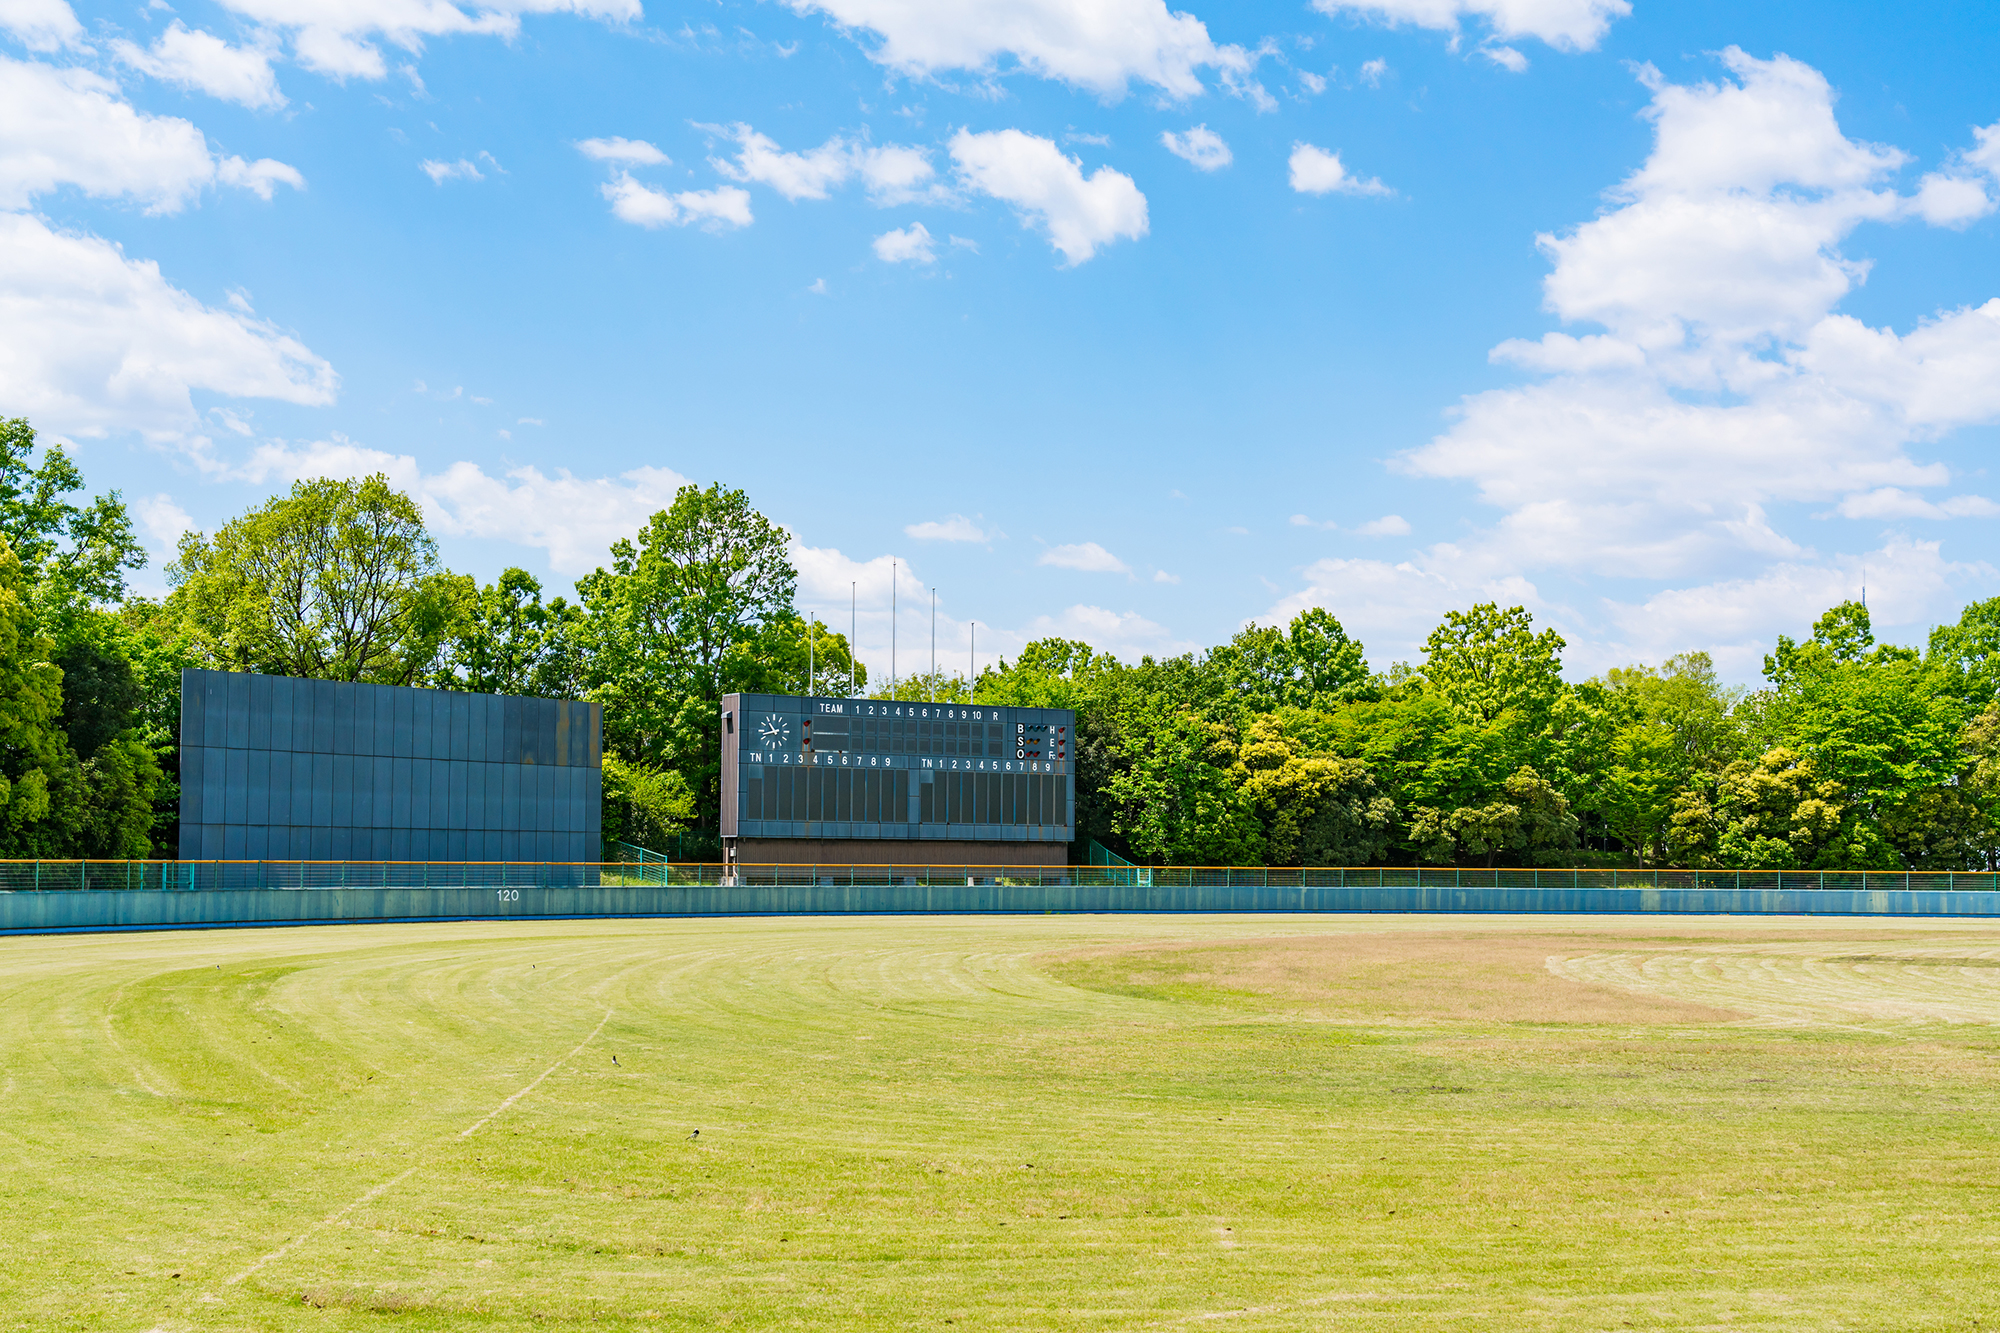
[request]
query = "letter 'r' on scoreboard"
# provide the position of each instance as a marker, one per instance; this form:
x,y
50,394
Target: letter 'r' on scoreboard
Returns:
x,y
871,781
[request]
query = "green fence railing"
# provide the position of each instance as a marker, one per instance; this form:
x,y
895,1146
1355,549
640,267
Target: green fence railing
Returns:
x,y
642,868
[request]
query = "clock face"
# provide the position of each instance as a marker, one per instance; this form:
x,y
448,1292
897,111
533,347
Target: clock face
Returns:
x,y
775,732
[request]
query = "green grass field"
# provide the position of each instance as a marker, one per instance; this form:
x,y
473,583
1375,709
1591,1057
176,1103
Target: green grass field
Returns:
x,y
1005,1123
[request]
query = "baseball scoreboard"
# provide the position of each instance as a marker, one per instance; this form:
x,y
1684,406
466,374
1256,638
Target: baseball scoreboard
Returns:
x,y
880,770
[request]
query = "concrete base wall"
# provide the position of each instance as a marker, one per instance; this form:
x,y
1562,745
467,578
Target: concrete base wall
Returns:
x,y
70,910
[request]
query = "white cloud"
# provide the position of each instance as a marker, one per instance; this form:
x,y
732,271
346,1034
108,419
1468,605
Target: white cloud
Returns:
x,y
1909,584
1317,171
712,210
1314,84
911,245
1506,57
191,58
891,173
92,342
808,175
1716,272
41,25
1161,576
950,528
440,172
1200,146
1722,391
1372,71
1049,189
818,287
624,152
1100,45
1124,634
1389,525
574,519
339,38
1891,502
1567,25
1955,195
162,520
70,127
258,177
1390,607
1086,556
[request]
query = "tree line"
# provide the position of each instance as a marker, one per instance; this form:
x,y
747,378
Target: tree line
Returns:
x,y
1280,747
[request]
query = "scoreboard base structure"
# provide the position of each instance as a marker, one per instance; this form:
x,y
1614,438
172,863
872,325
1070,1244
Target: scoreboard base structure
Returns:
x,y
890,852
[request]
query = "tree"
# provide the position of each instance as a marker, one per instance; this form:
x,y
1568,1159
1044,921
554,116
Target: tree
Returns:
x,y
31,749
680,618
1877,720
1313,664
1967,654
1172,798
1527,815
1315,809
1487,662
339,580
508,641
72,557
1772,812
644,806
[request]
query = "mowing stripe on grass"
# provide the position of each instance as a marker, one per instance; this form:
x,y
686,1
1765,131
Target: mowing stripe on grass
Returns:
x,y
378,1190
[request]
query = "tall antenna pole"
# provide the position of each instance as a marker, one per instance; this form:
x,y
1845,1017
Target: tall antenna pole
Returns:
x,y
853,626
933,645
892,629
812,666
972,667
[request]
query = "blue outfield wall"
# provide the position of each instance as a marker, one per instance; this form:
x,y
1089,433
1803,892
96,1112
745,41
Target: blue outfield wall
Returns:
x,y
172,895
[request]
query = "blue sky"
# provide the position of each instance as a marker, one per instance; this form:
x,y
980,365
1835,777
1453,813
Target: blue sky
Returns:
x,y
1105,320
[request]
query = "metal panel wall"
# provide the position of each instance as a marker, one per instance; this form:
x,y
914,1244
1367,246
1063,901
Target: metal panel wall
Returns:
x,y
283,769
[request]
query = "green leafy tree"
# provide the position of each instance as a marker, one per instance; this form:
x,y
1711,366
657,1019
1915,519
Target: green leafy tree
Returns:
x,y
1314,809
509,641
1874,718
1312,664
1527,815
1173,801
680,618
1487,662
644,806
1773,812
339,580
32,753
73,556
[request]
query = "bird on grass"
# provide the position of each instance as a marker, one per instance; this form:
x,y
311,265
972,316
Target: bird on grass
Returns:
x,y
695,1135
614,1059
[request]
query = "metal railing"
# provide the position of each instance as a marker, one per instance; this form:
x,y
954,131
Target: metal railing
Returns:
x,y
651,870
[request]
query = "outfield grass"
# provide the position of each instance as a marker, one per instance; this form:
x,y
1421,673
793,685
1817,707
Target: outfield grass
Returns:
x,y
1005,1123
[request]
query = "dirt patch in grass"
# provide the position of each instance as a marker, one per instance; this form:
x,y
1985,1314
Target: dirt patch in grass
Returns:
x,y
1479,977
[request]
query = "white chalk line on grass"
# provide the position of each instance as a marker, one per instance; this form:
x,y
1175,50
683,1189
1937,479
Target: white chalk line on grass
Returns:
x,y
378,1190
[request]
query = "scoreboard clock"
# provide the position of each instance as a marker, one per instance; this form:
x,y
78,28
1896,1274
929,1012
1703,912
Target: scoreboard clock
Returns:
x,y
797,767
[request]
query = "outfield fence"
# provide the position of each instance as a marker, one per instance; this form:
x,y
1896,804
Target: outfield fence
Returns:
x,y
38,896
654,870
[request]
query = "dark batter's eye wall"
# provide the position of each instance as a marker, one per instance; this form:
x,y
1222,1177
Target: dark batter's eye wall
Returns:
x,y
280,769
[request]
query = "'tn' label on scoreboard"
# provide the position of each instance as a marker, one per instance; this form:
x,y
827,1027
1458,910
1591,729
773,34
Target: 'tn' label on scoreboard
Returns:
x,y
810,767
